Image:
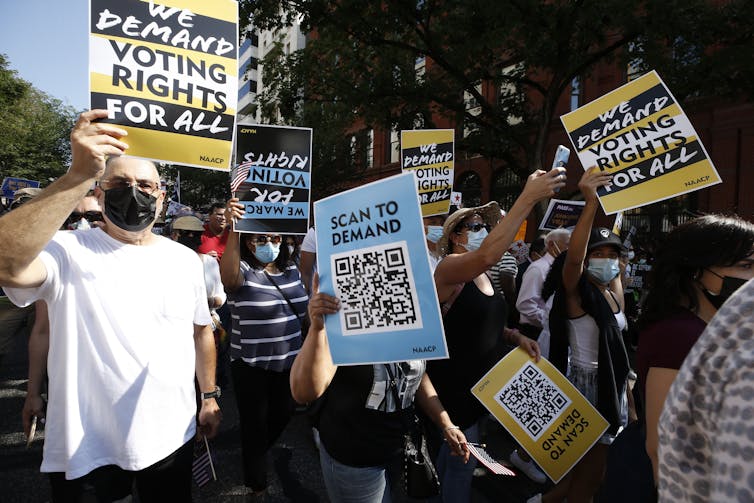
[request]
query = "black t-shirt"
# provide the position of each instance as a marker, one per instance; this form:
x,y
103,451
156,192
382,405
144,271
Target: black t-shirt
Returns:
x,y
474,333
360,424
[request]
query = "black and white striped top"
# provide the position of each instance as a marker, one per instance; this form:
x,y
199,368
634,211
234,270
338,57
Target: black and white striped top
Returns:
x,y
265,332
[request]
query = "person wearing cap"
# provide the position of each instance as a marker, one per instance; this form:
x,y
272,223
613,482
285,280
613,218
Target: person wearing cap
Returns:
x,y
475,315
586,321
129,327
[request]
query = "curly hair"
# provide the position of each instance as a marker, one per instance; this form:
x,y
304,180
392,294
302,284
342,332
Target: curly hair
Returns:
x,y
711,240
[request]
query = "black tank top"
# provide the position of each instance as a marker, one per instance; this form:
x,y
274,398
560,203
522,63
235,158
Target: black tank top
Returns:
x,y
474,333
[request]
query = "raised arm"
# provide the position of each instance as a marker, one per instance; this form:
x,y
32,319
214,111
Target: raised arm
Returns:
x,y
313,368
230,263
91,143
574,263
461,268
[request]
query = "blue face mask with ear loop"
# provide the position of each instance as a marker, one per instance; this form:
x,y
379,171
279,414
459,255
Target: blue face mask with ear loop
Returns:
x,y
474,239
267,252
434,233
604,270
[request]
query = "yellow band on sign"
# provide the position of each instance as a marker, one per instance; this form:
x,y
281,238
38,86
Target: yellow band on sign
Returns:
x,y
207,153
543,411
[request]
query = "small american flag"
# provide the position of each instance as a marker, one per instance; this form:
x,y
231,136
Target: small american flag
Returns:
x,y
478,451
240,175
203,470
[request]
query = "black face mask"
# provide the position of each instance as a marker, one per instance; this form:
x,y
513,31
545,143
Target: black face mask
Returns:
x,y
192,242
129,208
730,285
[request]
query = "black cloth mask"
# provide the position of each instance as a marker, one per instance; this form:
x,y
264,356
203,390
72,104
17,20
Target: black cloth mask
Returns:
x,y
129,208
192,242
730,285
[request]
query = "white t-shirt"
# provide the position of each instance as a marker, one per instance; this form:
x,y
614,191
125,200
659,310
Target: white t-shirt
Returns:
x,y
309,244
212,278
121,362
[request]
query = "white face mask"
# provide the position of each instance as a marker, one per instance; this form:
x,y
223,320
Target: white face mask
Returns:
x,y
474,239
631,255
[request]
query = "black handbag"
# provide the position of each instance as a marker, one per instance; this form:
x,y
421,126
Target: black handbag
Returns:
x,y
420,478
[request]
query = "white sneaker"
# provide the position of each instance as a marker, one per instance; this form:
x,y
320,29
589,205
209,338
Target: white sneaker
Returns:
x,y
529,468
537,498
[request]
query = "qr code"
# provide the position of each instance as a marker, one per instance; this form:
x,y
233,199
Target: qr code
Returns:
x,y
376,289
533,400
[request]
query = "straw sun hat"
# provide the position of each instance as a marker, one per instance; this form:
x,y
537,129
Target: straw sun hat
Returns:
x,y
489,212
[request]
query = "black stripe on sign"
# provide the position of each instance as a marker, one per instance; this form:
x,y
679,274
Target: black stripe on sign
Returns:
x,y
442,148
203,26
641,101
149,114
672,160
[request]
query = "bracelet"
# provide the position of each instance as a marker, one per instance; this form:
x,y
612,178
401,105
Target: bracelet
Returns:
x,y
451,428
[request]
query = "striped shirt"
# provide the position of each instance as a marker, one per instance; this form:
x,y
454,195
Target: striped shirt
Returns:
x,y
506,266
265,332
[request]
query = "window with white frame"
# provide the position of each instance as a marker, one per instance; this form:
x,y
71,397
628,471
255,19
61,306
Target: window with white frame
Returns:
x,y
510,96
473,108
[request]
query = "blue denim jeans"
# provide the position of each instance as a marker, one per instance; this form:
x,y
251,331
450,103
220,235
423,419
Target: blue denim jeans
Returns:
x,y
354,484
455,476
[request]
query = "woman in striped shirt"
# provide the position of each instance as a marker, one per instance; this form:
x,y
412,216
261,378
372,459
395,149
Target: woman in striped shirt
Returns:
x,y
268,307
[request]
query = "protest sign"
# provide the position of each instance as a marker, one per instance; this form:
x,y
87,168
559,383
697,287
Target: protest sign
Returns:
x,y
561,213
11,185
639,134
543,411
168,74
371,254
273,178
429,153
456,199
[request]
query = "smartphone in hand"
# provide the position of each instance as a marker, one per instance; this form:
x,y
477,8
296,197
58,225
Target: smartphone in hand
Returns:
x,y
561,158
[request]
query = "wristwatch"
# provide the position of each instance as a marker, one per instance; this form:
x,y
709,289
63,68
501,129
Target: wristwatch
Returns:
x,y
212,394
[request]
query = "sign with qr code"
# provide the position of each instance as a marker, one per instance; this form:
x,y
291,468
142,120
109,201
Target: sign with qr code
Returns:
x,y
371,254
430,155
543,411
273,178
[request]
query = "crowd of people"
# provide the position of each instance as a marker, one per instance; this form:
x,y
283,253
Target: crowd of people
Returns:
x,y
131,333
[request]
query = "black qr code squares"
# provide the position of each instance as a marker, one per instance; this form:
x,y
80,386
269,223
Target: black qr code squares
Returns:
x,y
532,400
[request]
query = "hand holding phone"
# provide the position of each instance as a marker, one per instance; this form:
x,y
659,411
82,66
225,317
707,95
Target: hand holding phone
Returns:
x,y
561,158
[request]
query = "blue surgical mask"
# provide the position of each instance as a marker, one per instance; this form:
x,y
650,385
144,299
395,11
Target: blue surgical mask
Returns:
x,y
434,233
474,239
604,270
267,253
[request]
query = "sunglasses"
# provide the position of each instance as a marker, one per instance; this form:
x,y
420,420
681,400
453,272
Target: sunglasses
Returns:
x,y
472,227
90,216
262,239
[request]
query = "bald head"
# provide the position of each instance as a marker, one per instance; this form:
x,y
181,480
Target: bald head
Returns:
x,y
123,164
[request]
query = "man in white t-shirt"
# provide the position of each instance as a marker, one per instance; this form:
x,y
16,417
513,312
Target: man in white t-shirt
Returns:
x,y
130,328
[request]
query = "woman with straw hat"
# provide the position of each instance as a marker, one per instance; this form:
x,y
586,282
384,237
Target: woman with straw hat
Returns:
x,y
475,314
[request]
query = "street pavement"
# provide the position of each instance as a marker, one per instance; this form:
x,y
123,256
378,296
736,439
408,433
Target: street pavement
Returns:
x,y
293,462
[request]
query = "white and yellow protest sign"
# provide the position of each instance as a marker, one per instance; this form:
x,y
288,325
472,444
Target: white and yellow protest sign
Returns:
x,y
639,133
167,73
543,411
430,155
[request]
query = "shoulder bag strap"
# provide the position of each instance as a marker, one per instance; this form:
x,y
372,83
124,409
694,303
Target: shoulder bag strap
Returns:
x,y
290,304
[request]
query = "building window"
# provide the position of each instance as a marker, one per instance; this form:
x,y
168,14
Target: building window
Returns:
x,y
420,65
506,187
394,145
370,148
473,109
635,66
470,187
575,93
510,97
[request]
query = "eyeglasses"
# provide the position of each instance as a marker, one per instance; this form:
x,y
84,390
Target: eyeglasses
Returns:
x,y
90,216
146,186
472,227
261,239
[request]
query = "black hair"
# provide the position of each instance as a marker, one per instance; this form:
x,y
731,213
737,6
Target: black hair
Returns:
x,y
215,206
538,245
554,276
281,262
711,240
